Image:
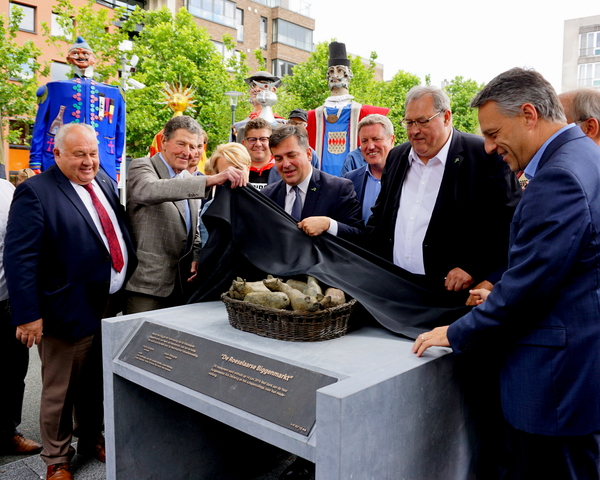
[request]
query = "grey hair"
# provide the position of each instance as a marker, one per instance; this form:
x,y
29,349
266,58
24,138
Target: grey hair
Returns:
x,y
283,133
182,121
441,100
586,104
59,139
517,86
377,119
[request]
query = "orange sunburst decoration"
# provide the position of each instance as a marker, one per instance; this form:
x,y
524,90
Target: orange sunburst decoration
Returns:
x,y
179,98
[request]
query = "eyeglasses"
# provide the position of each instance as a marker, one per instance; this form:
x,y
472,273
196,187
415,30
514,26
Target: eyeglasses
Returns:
x,y
419,123
294,122
253,140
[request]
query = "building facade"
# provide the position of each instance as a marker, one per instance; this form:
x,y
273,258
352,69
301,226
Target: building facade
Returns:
x,y
281,29
581,53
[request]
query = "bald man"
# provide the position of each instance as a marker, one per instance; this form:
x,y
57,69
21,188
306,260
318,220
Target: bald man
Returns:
x,y
582,106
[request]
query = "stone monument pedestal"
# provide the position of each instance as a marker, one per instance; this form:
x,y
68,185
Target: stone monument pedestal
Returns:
x,y
390,415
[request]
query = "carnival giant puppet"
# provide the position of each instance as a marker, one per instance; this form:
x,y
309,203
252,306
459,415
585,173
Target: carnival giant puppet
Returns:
x,y
332,127
80,100
263,86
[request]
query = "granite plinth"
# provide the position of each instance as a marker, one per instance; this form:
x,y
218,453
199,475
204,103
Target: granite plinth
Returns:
x,y
391,415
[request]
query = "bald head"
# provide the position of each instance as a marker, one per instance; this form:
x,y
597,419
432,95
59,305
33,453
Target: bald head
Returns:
x,y
582,106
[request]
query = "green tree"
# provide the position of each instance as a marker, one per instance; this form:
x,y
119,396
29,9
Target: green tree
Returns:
x,y
18,77
173,49
393,95
461,92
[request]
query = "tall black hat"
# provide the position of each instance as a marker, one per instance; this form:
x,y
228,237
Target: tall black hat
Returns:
x,y
337,55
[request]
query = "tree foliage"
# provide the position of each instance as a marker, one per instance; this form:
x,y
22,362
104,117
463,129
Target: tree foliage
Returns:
x,y
461,92
173,48
19,70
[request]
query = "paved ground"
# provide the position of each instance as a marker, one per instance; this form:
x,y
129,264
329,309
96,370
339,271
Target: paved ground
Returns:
x,y
32,468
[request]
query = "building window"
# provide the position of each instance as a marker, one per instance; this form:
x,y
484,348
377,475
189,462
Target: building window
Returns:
x,y
589,44
56,30
298,6
218,11
292,35
128,4
239,23
263,33
589,75
60,71
225,53
281,68
28,21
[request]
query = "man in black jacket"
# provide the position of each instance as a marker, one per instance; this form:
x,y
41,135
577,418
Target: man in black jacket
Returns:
x,y
445,205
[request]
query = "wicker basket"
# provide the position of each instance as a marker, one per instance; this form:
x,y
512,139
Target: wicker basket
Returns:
x,y
288,324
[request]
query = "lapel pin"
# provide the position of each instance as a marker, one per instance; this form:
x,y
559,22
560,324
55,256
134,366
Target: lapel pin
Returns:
x,y
456,160
314,189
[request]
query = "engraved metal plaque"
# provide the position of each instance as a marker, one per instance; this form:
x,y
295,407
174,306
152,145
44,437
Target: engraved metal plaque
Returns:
x,y
276,391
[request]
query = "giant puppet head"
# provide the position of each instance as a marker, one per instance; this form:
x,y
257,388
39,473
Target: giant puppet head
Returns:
x,y
261,82
339,72
81,57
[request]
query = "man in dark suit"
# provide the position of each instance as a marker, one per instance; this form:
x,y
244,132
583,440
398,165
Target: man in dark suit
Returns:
x,y
67,255
544,312
445,205
376,134
319,201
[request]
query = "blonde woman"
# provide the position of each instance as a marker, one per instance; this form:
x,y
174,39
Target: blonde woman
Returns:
x,y
229,154
224,156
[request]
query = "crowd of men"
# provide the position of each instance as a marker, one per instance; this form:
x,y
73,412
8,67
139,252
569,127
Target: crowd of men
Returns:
x,y
446,207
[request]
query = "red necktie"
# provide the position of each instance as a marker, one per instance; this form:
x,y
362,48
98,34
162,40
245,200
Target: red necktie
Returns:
x,y
109,230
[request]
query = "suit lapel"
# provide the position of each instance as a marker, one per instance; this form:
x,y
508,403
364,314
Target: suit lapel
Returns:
x,y
448,188
312,194
164,174
67,189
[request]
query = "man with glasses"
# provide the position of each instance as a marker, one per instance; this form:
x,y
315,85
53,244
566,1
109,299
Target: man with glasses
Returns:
x,y
582,106
445,206
256,140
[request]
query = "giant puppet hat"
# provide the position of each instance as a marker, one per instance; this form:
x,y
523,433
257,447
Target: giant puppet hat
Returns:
x,y
263,77
80,43
337,55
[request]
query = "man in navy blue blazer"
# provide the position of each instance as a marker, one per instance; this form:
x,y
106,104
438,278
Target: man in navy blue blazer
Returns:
x,y
376,134
319,201
544,313
65,268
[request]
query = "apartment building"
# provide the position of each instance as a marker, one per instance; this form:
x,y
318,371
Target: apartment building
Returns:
x,y
581,53
281,29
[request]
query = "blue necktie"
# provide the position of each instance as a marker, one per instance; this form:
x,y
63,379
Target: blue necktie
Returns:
x,y
297,207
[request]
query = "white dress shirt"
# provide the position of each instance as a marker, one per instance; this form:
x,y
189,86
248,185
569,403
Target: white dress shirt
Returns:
x,y
6,194
290,198
116,278
419,194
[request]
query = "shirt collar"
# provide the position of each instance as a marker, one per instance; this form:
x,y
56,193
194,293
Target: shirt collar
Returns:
x,y
302,186
442,155
171,171
532,167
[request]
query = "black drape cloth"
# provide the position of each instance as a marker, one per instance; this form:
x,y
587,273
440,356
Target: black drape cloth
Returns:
x,y
250,236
